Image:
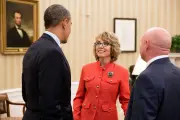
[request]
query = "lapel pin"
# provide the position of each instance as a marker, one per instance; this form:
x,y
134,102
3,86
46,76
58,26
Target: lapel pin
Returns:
x,y
110,74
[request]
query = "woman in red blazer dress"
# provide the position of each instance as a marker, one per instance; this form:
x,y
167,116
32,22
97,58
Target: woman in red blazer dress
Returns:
x,y
102,82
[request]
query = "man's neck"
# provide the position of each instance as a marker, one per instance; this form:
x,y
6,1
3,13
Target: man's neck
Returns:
x,y
17,26
56,32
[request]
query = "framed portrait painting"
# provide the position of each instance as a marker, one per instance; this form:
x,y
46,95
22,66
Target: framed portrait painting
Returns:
x,y
19,25
125,29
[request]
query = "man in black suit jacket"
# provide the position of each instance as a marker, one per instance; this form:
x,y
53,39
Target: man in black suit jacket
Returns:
x,y
16,36
46,77
156,93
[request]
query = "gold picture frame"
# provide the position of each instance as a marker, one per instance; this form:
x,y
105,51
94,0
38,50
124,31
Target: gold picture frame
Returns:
x,y
19,25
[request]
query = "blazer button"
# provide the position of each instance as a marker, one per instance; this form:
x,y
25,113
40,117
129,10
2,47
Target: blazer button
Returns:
x,y
58,107
94,107
109,108
96,96
84,104
97,86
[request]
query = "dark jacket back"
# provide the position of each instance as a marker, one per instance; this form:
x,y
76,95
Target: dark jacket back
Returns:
x,y
156,94
46,82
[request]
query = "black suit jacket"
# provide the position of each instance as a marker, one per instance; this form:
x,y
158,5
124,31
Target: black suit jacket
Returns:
x,y
46,82
156,93
15,40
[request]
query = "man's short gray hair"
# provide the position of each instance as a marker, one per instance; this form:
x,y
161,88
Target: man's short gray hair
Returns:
x,y
55,14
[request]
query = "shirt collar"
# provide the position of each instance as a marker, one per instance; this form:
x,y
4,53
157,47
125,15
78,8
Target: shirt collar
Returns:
x,y
17,27
56,39
156,58
105,66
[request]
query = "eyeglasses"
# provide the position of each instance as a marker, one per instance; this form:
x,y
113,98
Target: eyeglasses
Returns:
x,y
103,44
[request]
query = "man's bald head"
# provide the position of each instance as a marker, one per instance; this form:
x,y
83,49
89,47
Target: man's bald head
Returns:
x,y
156,41
159,37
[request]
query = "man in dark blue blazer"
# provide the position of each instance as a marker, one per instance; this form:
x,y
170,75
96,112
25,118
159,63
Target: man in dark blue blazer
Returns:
x,y
46,77
156,93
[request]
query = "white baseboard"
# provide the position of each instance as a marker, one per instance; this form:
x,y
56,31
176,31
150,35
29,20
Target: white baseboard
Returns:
x,y
15,95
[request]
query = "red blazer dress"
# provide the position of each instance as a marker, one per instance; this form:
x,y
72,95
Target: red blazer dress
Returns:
x,y
98,91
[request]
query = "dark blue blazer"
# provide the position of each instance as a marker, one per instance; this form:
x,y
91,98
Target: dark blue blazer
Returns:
x,y
156,93
46,82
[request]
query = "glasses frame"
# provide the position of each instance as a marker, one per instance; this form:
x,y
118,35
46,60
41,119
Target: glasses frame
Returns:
x,y
103,44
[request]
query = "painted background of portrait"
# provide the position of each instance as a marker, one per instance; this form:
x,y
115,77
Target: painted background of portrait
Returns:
x,y
27,16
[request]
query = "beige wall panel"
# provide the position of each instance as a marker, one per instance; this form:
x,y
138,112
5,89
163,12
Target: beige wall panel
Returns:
x,y
91,17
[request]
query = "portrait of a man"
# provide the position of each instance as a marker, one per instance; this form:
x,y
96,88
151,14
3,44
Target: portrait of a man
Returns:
x,y
20,25
17,36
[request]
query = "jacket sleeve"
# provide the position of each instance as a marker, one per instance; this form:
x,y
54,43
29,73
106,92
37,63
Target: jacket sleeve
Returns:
x,y
124,92
144,102
51,86
79,98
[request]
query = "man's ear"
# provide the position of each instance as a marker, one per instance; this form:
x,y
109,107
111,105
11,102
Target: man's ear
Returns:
x,y
147,42
64,23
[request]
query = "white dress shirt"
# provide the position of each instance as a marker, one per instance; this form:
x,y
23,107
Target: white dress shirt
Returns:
x,y
19,31
56,39
156,58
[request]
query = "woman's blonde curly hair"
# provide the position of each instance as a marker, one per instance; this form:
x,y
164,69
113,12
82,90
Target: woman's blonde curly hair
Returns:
x,y
114,43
